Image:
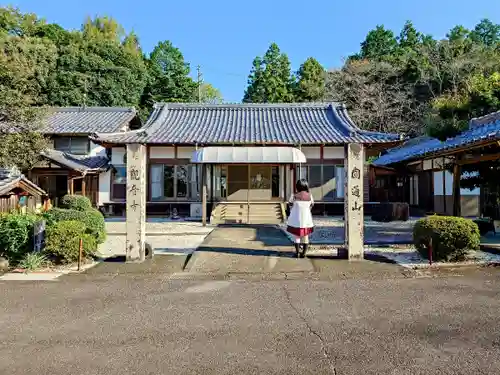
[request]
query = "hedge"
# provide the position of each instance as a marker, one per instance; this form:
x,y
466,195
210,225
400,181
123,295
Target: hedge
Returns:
x,y
76,202
452,237
16,238
63,241
93,220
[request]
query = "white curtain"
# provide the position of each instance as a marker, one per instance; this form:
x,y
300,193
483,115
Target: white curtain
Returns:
x,y
340,179
156,181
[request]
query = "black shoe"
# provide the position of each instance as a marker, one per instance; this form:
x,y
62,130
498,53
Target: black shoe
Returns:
x,y
304,250
297,250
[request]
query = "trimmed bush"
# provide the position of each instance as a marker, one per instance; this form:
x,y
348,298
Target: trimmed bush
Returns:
x,y
76,202
63,241
16,235
93,220
452,237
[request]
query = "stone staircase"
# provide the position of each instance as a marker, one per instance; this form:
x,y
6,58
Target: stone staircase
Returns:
x,y
248,213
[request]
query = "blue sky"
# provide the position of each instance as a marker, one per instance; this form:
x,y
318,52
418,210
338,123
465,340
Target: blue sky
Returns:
x,y
224,36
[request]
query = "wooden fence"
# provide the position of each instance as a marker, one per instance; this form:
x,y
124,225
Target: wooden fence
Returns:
x,y
9,203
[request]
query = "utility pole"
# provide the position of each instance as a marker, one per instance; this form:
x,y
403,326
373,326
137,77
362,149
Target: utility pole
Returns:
x,y
85,93
198,70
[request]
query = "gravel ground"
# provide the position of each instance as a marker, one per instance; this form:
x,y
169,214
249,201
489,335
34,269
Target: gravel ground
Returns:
x,y
330,230
411,258
166,237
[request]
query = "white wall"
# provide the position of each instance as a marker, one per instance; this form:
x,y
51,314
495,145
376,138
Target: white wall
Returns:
x,y
185,152
311,152
333,153
104,188
161,152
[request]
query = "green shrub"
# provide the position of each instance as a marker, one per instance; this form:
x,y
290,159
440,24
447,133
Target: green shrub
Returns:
x,y
16,235
76,202
63,241
93,220
452,237
33,261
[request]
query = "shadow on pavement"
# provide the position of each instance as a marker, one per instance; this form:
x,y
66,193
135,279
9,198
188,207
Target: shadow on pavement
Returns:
x,y
251,252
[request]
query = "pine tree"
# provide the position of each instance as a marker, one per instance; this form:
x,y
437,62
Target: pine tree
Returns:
x,y
310,81
270,80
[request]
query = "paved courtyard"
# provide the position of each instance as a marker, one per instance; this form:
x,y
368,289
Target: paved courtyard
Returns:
x,y
330,230
151,323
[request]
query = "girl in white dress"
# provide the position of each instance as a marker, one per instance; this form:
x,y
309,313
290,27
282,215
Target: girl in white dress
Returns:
x,y
300,222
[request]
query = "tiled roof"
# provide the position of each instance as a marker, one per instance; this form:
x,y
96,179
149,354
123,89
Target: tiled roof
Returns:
x,y
287,124
10,179
80,163
87,120
480,130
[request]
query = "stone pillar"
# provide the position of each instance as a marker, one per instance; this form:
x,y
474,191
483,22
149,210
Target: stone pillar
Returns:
x,y
353,200
136,202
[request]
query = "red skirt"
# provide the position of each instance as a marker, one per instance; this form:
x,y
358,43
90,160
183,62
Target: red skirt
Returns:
x,y
299,232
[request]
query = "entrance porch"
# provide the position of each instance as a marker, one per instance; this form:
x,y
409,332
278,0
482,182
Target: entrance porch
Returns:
x,y
248,184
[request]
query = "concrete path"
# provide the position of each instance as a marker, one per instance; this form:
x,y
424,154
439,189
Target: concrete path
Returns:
x,y
149,324
249,249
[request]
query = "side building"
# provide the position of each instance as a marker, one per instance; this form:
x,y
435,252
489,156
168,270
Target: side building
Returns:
x,y
427,173
73,164
250,154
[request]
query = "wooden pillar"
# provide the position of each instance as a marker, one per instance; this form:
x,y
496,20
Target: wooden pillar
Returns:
x,y
457,205
353,201
84,186
71,184
136,203
204,194
444,190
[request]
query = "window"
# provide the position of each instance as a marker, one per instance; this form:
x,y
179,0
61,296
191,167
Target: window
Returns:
x,y
175,181
275,181
119,182
326,182
168,181
72,145
329,181
182,181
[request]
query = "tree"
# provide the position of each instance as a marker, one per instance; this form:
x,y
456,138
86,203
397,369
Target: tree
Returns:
x,y
14,22
409,38
379,43
310,81
97,72
25,63
270,80
169,74
377,97
487,33
103,28
209,94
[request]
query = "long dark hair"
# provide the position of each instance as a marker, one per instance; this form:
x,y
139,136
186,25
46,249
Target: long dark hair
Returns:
x,y
301,186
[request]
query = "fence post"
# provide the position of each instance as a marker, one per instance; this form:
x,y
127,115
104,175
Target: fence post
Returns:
x,y
430,252
80,254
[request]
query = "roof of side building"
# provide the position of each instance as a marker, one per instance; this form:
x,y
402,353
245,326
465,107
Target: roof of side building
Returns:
x,y
88,120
